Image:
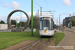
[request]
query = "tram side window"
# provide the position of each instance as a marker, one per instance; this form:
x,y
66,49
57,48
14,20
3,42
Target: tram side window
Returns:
x,y
40,25
52,24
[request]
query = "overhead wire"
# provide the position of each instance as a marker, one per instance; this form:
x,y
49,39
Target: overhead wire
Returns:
x,y
35,7
47,4
39,5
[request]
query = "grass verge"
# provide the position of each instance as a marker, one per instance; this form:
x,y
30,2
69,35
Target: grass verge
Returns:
x,y
59,37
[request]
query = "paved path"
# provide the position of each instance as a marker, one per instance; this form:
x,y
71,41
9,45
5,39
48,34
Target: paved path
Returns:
x,y
68,43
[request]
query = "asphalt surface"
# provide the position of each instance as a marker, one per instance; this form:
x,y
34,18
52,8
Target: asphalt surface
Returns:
x,y
68,43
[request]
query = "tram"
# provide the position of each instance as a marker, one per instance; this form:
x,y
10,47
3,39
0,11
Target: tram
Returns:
x,y
46,26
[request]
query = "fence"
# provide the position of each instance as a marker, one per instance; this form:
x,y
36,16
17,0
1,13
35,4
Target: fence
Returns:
x,y
7,30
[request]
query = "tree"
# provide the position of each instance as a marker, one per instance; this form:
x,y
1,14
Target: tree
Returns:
x,y
2,22
22,24
73,20
36,23
13,22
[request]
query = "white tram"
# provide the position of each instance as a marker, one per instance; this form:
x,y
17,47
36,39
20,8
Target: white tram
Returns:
x,y
46,26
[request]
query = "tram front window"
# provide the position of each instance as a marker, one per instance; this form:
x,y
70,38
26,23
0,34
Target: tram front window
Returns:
x,y
45,25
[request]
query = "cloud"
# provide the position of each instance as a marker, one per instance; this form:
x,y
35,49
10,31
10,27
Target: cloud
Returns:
x,y
55,21
6,5
1,2
33,13
19,18
15,5
64,14
67,2
4,18
57,0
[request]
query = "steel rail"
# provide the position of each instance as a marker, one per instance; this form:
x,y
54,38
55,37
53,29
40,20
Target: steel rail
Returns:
x,y
30,45
43,45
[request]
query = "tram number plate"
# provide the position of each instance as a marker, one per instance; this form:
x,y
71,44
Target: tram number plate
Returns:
x,y
45,31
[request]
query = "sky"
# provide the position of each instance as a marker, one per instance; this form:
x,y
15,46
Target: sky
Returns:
x,y
60,7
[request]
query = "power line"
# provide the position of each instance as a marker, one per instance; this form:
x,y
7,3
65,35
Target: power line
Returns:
x,y
47,5
38,4
42,7
35,7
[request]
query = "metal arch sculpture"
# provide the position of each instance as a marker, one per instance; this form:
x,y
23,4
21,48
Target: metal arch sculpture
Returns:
x,y
8,19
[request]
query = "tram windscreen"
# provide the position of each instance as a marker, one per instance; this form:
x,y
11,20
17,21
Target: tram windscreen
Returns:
x,y
45,25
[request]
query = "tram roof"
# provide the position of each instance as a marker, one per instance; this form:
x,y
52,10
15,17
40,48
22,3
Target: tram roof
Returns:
x,y
47,16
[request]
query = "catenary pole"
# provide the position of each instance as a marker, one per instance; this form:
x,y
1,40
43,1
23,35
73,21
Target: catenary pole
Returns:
x,y
59,20
40,11
32,17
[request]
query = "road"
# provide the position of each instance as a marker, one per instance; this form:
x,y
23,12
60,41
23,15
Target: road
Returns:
x,y
68,43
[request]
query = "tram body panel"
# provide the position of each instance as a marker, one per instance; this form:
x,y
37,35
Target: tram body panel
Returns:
x,y
48,33
46,26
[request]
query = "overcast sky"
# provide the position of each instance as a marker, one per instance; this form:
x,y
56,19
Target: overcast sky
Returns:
x,y
62,7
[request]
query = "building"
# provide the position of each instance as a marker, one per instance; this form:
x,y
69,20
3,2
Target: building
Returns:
x,y
3,26
66,21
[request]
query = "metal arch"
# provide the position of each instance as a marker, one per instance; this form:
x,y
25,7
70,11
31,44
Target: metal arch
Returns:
x,y
8,19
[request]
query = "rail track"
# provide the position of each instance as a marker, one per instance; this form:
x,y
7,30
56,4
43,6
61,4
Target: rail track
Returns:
x,y
43,45
31,45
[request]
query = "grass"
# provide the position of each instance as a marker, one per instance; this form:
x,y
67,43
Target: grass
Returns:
x,y
59,37
10,38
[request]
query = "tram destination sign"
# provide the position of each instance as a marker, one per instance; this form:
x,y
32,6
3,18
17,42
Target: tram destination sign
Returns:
x,y
44,18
